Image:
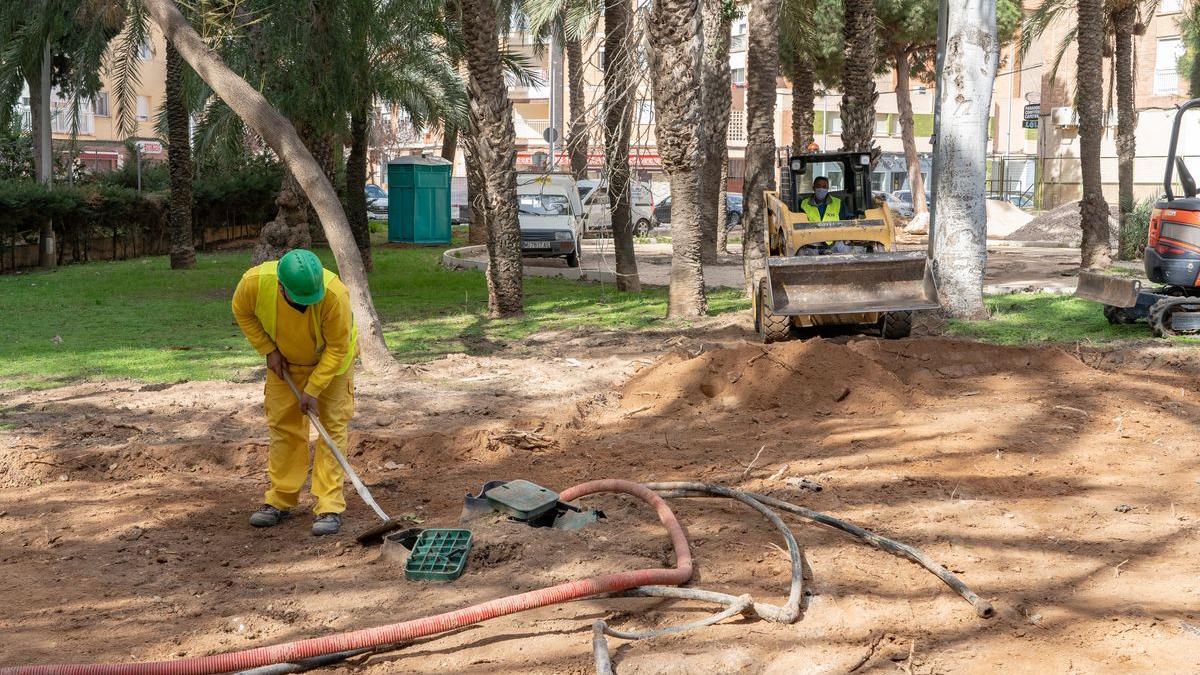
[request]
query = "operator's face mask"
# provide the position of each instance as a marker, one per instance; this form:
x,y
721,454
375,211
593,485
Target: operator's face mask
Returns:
x,y
820,193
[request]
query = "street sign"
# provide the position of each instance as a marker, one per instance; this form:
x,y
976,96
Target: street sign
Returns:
x,y
1032,113
149,147
550,134
1033,97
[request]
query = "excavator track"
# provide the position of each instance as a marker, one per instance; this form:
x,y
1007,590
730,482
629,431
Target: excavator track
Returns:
x,y
1175,316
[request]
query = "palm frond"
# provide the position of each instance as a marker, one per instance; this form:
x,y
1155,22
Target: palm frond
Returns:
x,y
125,70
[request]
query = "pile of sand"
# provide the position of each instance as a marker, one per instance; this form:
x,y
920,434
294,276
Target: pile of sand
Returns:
x,y
1004,218
1061,225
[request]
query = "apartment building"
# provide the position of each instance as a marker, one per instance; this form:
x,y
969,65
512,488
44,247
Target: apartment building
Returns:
x,y
98,144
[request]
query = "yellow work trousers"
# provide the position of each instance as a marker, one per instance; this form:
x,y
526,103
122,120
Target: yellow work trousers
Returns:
x,y
288,462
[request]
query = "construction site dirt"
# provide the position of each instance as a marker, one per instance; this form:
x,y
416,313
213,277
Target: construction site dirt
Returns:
x,y
1063,486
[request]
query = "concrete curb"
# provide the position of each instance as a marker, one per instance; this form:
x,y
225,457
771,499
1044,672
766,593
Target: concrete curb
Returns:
x,y
1005,243
465,258
1013,289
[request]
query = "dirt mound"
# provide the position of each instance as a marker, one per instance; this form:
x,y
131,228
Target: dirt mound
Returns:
x,y
1061,224
800,375
1004,218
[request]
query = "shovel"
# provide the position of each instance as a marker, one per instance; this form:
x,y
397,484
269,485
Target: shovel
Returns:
x,y
375,534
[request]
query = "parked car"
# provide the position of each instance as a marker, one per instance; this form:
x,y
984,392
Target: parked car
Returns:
x,y
550,216
377,202
897,206
733,211
598,211
905,196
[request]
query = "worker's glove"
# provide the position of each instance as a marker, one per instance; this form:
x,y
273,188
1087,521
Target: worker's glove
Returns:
x,y
308,404
276,363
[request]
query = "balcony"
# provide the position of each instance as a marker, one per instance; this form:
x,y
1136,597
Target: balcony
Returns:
x,y
1166,81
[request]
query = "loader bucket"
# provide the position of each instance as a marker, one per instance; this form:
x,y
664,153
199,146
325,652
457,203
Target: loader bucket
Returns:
x,y
1108,289
850,284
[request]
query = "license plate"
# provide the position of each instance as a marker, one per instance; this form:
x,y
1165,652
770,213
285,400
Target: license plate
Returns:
x,y
537,244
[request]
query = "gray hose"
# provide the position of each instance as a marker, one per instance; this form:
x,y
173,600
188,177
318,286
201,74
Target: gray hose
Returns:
x,y
305,664
600,650
982,607
740,604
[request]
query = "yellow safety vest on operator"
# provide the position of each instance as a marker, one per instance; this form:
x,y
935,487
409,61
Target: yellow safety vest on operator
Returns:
x,y
833,210
265,308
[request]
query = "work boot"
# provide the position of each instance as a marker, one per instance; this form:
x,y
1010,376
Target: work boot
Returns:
x,y
326,523
268,516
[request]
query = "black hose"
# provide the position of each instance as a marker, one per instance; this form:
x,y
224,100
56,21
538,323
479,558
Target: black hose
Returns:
x,y
982,607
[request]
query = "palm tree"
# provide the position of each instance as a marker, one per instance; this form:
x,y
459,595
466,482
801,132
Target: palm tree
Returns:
x,y
618,116
279,134
718,15
491,118
179,160
762,67
577,127
1093,209
858,75
958,241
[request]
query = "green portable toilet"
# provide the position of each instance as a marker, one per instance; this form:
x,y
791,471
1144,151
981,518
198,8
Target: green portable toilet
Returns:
x,y
419,200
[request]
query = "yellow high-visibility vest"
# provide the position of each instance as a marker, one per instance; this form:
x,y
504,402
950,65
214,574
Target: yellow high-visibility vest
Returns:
x,y
833,210
265,310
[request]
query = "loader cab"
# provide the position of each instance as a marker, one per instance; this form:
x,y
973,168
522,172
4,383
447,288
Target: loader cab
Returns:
x,y
849,175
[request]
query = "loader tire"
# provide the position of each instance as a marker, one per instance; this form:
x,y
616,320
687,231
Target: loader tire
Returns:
x,y
771,327
895,325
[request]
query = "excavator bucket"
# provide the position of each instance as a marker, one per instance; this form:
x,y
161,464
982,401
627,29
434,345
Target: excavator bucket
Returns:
x,y
1108,289
850,284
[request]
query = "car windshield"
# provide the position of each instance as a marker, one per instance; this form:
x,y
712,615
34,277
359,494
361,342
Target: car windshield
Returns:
x,y
374,191
544,205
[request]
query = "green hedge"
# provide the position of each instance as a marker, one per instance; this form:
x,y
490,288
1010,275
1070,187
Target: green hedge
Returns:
x,y
107,208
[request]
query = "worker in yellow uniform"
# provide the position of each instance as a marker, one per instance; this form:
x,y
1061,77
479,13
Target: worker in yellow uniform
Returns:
x,y
822,207
297,314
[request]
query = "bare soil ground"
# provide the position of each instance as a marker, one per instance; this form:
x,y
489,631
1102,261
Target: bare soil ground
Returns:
x,y
123,507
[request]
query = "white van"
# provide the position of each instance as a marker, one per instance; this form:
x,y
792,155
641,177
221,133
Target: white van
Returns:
x,y
551,216
598,210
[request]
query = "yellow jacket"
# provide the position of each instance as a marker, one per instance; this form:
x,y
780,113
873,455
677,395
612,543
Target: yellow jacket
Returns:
x,y
322,337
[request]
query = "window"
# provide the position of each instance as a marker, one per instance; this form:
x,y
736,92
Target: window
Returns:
x,y
1169,6
145,53
737,76
101,104
143,108
737,127
738,36
600,56
1166,65
835,122
882,125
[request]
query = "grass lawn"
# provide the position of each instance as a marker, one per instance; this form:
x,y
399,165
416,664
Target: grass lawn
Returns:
x,y
138,319
1042,317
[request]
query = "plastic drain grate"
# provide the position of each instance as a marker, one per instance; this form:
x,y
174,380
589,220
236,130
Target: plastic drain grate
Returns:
x,y
438,555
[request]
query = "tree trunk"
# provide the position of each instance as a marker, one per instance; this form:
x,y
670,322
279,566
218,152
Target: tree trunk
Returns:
x,y
356,181
964,99
450,144
675,44
43,160
179,160
717,100
477,211
1126,127
275,129
803,91
618,115
858,75
1093,209
491,115
916,182
762,67
723,210
577,128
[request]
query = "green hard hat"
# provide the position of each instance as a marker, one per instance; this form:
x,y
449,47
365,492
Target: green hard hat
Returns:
x,y
302,276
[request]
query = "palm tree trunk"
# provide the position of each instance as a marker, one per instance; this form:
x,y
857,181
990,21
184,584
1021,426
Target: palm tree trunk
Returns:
x,y
449,143
964,99
491,114
577,128
43,162
1126,128
762,68
279,134
717,101
858,75
675,45
179,160
477,211
618,115
916,182
723,209
356,181
803,91
1093,209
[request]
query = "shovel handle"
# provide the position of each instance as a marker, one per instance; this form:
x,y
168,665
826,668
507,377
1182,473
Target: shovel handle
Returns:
x,y
358,484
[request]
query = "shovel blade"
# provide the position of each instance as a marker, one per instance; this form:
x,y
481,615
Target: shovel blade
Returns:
x,y
850,284
1108,289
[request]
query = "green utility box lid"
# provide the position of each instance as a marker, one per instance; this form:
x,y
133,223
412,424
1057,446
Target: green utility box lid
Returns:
x,y
419,200
438,555
522,499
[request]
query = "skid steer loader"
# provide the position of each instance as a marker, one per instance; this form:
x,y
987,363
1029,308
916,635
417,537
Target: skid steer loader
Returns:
x,y
836,272
1172,258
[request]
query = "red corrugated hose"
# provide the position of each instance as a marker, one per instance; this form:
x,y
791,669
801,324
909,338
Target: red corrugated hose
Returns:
x,y
424,627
